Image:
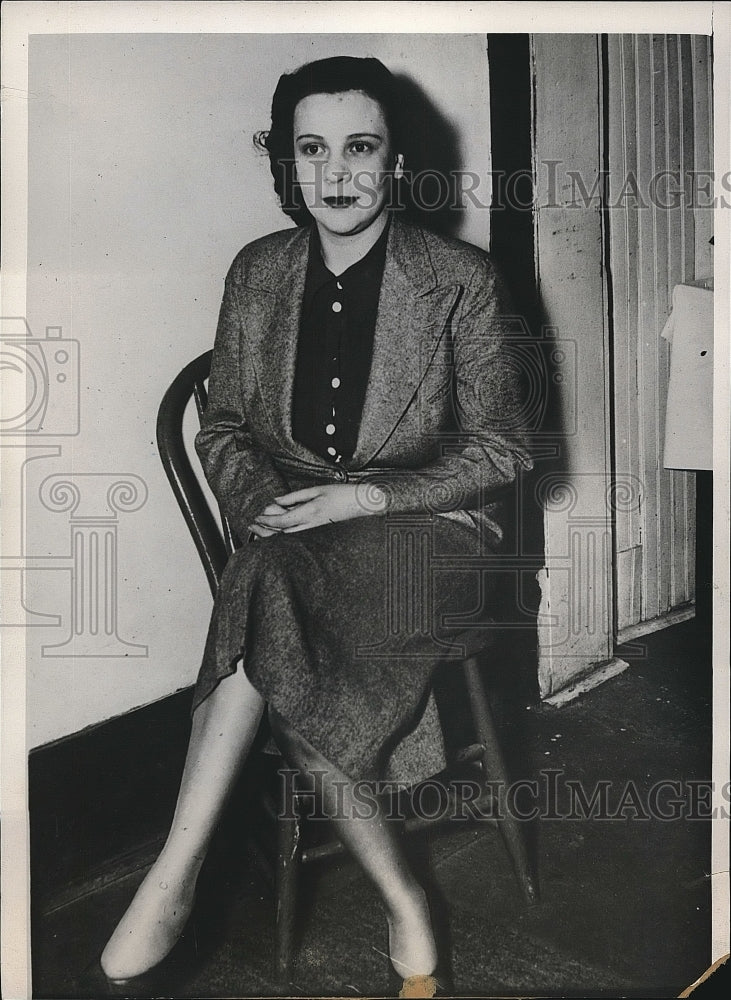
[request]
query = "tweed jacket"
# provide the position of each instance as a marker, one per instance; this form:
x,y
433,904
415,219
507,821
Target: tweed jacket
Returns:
x,y
440,429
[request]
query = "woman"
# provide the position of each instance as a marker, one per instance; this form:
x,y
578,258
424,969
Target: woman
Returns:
x,y
360,401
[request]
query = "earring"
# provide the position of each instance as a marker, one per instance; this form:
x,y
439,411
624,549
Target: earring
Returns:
x,y
399,169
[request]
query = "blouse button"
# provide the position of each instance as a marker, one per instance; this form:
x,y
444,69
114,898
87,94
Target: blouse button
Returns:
x,y
337,306
341,475
335,383
330,429
332,451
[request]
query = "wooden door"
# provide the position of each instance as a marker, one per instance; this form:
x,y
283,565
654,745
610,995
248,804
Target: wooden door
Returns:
x,y
658,104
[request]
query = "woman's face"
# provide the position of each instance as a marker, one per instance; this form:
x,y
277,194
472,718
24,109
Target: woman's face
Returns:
x,y
342,152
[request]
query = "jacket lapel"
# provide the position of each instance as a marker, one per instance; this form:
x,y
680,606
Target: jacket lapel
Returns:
x,y
275,297
412,315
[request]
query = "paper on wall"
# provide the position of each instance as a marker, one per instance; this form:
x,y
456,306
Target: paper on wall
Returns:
x,y
689,415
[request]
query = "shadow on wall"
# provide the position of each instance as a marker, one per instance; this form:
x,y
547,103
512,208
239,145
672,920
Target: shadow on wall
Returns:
x,y
433,160
512,247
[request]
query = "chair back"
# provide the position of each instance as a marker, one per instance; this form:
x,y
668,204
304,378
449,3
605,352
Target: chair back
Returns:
x,y
213,544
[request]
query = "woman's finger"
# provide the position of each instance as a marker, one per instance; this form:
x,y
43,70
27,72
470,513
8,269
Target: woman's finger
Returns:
x,y
274,508
299,496
270,521
259,531
275,520
287,519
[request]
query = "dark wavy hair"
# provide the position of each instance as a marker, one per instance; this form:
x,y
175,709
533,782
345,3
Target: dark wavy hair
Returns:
x,y
335,75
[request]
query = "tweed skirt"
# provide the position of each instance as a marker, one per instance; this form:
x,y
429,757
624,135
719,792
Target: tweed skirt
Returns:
x,y
341,627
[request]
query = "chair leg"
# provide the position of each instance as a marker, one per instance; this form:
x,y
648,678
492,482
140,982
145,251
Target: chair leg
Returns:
x,y
494,770
288,861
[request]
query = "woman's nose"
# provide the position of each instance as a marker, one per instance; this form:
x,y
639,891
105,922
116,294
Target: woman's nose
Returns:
x,y
337,169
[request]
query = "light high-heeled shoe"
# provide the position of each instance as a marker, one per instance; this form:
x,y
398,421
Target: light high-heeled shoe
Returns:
x,y
171,967
164,965
161,980
438,983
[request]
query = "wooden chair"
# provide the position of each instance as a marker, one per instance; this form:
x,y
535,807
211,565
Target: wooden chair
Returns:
x,y
214,545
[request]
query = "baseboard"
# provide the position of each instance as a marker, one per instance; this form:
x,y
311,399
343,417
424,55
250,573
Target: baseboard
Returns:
x,y
101,800
673,617
604,672
587,683
98,797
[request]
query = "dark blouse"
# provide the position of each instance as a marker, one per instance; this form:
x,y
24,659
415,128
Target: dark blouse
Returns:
x,y
334,351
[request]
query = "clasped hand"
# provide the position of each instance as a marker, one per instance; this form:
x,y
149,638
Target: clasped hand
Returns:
x,y
313,506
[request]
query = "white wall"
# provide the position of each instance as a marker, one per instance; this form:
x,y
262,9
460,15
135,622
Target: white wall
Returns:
x,y
143,184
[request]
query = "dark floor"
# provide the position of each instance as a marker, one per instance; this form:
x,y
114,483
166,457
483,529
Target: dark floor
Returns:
x,y
625,901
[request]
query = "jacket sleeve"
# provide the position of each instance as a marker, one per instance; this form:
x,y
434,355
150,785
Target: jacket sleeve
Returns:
x,y
239,471
482,457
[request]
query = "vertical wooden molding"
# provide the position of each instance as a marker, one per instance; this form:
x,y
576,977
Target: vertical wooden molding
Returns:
x,y
622,154
575,624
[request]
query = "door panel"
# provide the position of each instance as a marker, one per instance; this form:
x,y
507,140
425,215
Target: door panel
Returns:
x,y
658,104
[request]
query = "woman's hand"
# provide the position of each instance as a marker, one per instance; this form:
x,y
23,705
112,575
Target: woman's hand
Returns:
x,y
259,530
314,506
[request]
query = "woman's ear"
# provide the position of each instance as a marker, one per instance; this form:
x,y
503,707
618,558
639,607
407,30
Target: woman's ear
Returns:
x,y
398,171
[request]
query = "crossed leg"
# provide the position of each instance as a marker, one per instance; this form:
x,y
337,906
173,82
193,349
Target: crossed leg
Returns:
x,y
374,843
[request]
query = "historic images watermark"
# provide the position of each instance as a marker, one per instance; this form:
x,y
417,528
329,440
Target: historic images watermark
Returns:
x,y
552,795
41,410
431,190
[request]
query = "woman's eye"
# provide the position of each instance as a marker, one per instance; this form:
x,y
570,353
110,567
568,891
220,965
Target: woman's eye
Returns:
x,y
312,149
361,146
